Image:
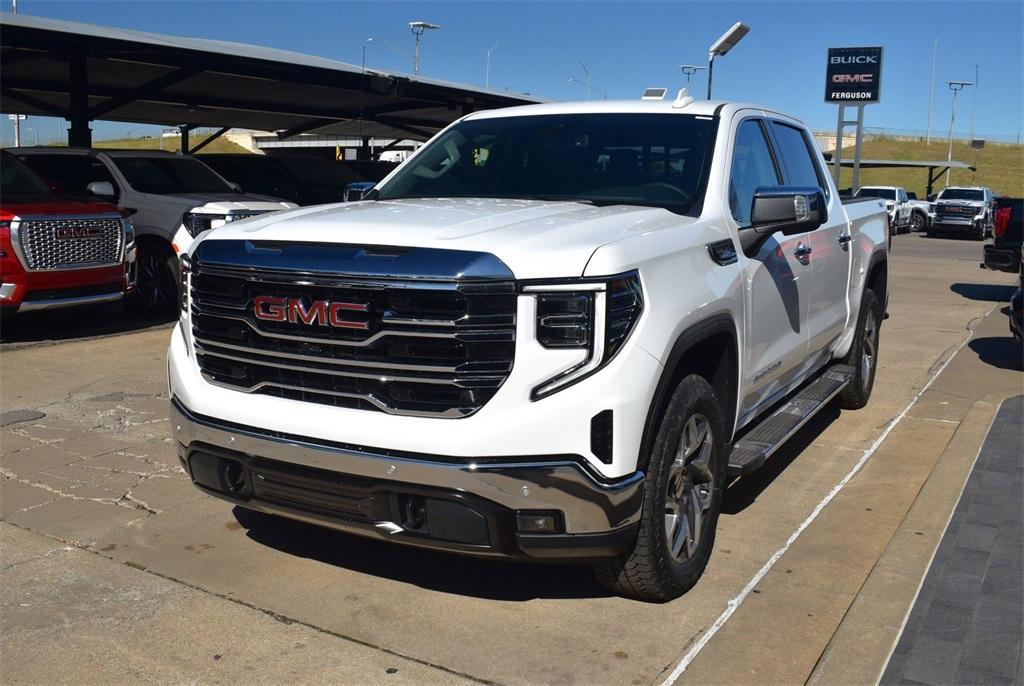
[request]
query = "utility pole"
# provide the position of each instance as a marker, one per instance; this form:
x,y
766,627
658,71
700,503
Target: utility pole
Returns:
x,y
487,73
931,93
974,106
17,119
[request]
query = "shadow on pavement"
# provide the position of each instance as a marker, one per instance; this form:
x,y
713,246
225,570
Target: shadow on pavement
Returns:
x,y
1001,352
742,493
984,291
76,322
445,572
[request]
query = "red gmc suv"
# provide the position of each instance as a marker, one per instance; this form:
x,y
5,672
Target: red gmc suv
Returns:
x,y
57,251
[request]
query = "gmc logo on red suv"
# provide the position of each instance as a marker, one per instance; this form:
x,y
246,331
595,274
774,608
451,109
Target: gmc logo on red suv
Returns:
x,y
319,312
64,233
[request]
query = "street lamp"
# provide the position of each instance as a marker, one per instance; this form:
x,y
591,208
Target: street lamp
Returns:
x,y
487,73
589,87
956,87
418,27
389,46
723,45
689,70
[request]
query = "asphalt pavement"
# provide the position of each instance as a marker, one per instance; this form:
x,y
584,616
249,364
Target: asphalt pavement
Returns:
x,y
115,568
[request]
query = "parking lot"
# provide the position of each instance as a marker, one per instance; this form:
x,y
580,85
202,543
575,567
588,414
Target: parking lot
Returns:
x,y
117,568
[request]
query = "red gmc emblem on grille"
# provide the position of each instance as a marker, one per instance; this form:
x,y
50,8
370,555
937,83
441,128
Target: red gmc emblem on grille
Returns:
x,y
320,312
64,233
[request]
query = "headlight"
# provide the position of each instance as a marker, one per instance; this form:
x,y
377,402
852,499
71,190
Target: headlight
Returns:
x,y
595,316
129,234
184,269
197,222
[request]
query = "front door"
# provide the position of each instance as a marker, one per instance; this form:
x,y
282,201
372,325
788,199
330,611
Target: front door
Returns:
x,y
777,279
830,257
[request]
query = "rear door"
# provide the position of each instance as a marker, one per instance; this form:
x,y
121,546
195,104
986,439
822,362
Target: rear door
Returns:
x,y
778,287
829,259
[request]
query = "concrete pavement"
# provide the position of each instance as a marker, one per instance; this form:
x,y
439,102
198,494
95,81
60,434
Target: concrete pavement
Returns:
x,y
97,473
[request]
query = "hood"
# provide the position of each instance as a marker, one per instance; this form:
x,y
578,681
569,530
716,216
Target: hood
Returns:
x,y
222,202
51,205
534,238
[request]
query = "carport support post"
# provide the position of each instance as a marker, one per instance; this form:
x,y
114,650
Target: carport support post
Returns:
x,y
79,134
184,129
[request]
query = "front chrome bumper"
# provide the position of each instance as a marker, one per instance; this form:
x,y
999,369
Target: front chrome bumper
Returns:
x,y
70,301
599,517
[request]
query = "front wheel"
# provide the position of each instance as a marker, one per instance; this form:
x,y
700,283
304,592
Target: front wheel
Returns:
x,y
916,222
157,283
682,499
863,355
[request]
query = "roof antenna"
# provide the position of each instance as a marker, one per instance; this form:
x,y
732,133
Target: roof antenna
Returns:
x,y
682,100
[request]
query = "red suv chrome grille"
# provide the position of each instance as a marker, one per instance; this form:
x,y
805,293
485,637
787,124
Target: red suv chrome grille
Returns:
x,y
68,242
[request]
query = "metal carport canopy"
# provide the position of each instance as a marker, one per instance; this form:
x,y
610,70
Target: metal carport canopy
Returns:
x,y
930,165
84,72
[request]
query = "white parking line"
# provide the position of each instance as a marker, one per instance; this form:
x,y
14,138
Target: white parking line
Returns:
x,y
734,603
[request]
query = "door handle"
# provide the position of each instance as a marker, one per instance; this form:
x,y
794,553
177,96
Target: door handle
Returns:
x,y
802,250
844,239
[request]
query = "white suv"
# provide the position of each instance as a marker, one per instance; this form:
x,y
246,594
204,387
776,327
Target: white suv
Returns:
x,y
157,189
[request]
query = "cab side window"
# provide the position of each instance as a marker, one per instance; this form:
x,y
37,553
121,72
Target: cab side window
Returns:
x,y
752,166
801,169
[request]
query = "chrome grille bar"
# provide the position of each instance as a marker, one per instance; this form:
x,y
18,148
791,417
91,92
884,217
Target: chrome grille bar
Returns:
x,y
56,243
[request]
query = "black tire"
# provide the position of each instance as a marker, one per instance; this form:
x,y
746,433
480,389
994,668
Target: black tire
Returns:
x,y
157,284
695,471
863,355
917,222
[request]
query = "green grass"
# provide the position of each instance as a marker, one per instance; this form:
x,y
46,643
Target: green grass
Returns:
x,y
1000,166
172,144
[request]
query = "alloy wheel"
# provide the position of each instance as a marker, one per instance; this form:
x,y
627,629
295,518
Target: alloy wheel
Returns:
x,y
689,488
868,352
155,282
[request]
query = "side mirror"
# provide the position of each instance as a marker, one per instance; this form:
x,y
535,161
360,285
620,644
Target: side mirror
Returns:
x,y
789,209
104,189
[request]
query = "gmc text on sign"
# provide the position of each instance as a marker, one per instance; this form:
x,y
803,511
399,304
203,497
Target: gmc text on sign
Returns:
x,y
853,75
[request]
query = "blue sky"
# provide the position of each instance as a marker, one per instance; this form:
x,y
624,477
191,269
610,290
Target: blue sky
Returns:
x,y
628,46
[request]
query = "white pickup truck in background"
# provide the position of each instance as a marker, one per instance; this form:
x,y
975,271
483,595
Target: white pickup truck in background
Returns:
x,y
897,204
556,331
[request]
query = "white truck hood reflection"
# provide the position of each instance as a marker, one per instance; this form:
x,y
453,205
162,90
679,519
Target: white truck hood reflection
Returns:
x,y
536,239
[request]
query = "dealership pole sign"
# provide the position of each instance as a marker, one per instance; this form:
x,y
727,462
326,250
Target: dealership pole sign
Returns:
x,y
853,75
853,78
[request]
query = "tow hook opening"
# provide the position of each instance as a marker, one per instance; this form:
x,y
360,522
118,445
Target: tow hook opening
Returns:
x,y
413,512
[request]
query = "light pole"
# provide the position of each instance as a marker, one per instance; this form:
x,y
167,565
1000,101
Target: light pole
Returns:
x,y
974,105
389,46
956,87
723,45
689,70
417,28
487,73
589,87
587,72
931,94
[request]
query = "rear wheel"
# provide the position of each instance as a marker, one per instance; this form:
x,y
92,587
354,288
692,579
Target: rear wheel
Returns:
x,y
863,355
682,499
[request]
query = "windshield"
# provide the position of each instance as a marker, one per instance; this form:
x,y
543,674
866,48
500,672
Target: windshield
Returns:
x,y
169,175
961,194
657,160
18,179
884,193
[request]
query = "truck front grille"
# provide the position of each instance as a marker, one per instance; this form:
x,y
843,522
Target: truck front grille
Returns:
x,y
957,212
69,242
409,347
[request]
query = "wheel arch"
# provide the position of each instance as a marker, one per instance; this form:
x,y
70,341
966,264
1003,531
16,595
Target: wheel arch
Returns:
x,y
709,348
878,278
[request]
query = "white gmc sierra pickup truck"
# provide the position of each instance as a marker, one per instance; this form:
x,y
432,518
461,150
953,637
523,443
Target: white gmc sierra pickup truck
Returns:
x,y
556,331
